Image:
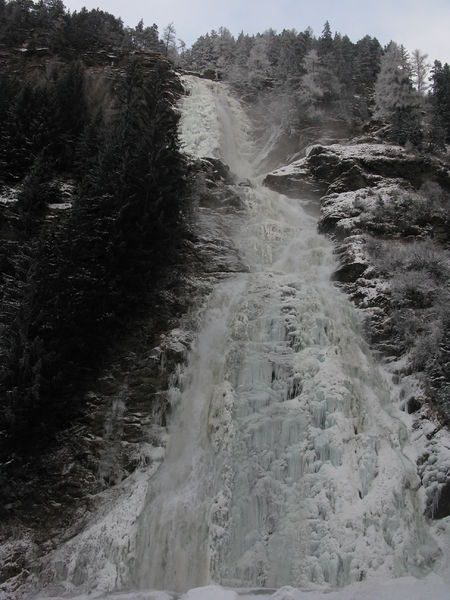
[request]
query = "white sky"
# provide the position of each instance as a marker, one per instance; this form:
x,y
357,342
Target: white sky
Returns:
x,y
423,24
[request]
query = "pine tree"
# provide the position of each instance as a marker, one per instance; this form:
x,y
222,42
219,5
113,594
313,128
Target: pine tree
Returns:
x,y
325,40
440,98
396,103
420,69
366,67
259,67
238,70
292,49
223,48
146,38
71,113
169,42
35,195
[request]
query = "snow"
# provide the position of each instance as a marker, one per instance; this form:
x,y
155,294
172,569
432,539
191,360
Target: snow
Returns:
x,y
349,207
297,168
8,195
404,588
60,206
67,188
360,151
208,592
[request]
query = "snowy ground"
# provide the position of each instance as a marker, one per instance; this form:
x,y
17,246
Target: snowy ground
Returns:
x,y
406,588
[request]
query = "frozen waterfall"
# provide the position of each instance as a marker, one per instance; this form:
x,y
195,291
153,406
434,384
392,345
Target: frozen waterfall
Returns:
x,y
285,463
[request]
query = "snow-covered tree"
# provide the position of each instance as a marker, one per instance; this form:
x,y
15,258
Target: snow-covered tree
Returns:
x,y
259,67
393,87
311,91
239,68
169,41
292,49
420,69
203,54
396,102
223,45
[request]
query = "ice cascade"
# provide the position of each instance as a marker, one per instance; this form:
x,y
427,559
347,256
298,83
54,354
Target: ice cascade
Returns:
x,y
287,461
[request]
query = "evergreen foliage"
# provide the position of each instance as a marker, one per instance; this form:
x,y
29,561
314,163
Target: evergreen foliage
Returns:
x,y
420,69
396,102
71,282
47,24
440,97
328,77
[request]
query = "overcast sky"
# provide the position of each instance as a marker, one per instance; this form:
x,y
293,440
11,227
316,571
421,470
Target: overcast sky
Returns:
x,y
423,24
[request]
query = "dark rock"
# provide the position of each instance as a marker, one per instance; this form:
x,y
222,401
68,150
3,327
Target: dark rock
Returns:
x,y
413,405
289,187
349,273
352,179
440,506
294,184
216,170
441,227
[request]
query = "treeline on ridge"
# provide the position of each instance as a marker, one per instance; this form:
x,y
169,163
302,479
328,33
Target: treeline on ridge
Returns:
x,y
304,80
47,24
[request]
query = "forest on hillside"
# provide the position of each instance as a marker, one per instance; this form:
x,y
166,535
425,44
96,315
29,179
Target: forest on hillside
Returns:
x,y
98,188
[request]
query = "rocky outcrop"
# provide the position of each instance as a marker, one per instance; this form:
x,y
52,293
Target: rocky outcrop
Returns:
x,y
295,180
338,167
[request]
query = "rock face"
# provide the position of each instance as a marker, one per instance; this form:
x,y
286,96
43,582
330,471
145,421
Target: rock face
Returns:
x,y
388,212
339,167
295,180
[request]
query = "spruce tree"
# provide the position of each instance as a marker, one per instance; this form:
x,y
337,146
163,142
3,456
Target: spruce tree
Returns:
x,y
396,102
440,98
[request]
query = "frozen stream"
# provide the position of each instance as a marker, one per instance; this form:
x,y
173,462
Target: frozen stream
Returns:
x,y
287,463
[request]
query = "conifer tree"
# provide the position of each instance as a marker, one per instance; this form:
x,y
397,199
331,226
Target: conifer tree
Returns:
x,y
169,42
325,40
366,66
396,102
420,69
440,98
259,67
